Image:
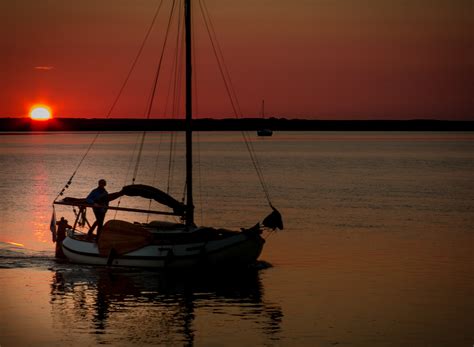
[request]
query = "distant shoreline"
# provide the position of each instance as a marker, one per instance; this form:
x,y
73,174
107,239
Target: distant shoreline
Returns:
x,y
228,124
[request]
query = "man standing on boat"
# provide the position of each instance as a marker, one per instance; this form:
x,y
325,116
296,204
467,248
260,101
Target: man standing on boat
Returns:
x,y
100,198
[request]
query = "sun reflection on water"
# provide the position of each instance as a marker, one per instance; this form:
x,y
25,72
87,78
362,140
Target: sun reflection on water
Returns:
x,y
15,244
40,201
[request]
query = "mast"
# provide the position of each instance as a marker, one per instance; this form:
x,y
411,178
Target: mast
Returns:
x,y
189,117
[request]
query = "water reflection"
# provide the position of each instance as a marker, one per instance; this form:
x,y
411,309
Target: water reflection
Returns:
x,y
115,306
40,197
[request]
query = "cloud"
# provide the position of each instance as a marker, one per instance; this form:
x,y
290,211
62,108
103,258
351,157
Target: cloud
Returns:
x,y
44,68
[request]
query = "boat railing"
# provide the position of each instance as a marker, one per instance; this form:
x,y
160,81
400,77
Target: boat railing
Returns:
x,y
126,209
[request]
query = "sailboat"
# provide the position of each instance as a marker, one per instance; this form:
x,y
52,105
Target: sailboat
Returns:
x,y
161,244
264,131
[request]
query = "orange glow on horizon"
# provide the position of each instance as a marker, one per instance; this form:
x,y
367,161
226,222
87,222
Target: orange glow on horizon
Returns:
x,y
40,112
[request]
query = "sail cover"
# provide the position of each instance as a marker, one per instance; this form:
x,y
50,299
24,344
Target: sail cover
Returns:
x,y
159,196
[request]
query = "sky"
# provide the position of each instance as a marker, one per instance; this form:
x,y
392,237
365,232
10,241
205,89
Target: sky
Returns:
x,y
314,59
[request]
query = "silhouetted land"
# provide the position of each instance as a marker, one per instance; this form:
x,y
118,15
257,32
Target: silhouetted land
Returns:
x,y
122,124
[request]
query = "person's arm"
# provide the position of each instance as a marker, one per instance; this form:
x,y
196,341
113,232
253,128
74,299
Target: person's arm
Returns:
x,y
116,195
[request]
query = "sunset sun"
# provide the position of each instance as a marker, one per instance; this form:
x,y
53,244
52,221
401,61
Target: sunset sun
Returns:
x,y
40,112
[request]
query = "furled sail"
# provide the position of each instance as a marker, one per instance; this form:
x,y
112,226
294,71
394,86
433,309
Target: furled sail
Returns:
x,y
159,196
141,190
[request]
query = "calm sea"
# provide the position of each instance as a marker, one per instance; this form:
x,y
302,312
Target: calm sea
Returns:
x,y
377,248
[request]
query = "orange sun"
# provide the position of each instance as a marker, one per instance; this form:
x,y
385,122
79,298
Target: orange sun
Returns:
x,y
40,112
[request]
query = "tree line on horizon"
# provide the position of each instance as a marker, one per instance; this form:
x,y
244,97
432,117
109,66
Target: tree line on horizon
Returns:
x,y
230,124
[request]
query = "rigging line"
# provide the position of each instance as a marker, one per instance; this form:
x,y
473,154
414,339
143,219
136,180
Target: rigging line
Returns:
x,y
177,77
248,142
196,111
171,96
237,110
142,140
232,95
199,176
170,86
221,61
139,156
173,67
170,161
178,68
177,94
155,173
257,166
155,85
221,55
218,61
128,172
157,74
142,46
69,182
140,150
269,234
179,100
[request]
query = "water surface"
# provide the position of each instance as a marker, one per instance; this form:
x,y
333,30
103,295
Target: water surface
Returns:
x,y
377,247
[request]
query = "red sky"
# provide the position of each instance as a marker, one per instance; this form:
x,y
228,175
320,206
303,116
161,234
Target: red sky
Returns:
x,y
322,59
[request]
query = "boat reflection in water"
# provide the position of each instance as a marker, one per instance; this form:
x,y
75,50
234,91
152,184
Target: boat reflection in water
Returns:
x,y
115,306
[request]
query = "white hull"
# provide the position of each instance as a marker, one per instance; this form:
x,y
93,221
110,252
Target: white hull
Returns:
x,y
237,250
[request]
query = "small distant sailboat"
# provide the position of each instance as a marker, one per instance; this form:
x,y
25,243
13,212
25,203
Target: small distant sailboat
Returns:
x,y
162,244
264,131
